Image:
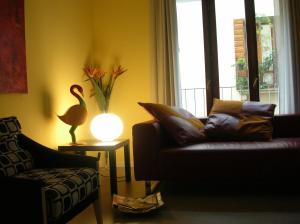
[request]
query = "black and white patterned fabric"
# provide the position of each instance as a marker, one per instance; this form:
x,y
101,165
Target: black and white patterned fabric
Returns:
x,y
65,187
13,159
9,126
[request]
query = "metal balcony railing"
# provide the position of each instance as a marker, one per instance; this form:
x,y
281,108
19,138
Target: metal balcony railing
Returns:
x,y
194,99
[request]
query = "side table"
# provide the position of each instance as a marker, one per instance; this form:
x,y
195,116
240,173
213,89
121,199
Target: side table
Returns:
x,y
111,148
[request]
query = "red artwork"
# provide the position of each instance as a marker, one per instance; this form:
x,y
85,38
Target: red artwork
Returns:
x,y
13,77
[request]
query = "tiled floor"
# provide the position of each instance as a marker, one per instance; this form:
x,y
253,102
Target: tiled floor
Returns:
x,y
188,203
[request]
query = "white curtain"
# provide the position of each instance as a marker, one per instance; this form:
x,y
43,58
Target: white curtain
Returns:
x,y
166,52
286,76
295,43
287,23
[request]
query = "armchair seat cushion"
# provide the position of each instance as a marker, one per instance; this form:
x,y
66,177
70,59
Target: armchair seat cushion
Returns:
x,y
64,187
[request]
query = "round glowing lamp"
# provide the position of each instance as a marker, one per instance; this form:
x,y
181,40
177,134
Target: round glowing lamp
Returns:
x,y
106,127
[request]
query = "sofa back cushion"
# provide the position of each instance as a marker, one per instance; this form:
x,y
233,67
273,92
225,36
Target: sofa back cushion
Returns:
x,y
286,125
236,120
180,124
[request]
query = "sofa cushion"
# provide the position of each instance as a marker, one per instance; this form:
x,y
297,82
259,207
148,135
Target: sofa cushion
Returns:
x,y
9,126
13,159
275,159
226,107
64,187
180,124
236,120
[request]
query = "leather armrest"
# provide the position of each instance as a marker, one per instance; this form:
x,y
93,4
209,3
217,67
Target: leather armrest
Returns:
x,y
147,142
48,158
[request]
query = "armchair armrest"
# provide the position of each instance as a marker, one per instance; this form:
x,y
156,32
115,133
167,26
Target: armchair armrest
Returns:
x,y
21,200
148,140
45,157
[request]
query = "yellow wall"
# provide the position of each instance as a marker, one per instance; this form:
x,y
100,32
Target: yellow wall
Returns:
x,y
58,41
122,33
61,36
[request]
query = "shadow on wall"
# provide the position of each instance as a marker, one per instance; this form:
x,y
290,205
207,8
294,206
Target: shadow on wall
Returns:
x,y
47,104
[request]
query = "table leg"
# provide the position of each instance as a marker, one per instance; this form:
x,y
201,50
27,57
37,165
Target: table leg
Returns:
x,y
113,172
127,163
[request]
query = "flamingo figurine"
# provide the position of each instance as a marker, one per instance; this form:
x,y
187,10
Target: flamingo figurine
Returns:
x,y
76,114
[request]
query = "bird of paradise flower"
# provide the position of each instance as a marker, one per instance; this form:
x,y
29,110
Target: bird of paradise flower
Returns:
x,y
102,83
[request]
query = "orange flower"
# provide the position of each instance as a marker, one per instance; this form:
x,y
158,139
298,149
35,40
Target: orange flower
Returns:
x,y
102,87
100,73
92,72
118,71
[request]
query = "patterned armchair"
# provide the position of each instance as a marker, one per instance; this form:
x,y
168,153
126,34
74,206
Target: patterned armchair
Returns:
x,y
40,185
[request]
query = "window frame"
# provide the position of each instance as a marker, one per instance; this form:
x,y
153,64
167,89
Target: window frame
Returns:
x,y
211,51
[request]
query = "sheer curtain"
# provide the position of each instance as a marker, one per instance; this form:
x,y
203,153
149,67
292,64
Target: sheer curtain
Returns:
x,y
166,52
295,42
284,57
287,41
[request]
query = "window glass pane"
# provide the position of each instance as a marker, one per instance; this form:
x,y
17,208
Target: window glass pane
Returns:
x,y
232,49
266,49
191,56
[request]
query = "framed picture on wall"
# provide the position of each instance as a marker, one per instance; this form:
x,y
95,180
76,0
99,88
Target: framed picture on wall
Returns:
x,y
13,78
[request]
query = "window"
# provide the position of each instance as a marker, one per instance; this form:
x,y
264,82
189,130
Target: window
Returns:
x,y
232,50
266,52
227,50
191,56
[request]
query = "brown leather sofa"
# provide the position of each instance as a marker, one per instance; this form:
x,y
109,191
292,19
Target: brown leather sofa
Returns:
x,y
157,157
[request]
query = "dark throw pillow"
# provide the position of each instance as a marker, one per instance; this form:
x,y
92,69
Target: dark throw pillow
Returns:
x,y
236,120
222,127
180,124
